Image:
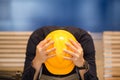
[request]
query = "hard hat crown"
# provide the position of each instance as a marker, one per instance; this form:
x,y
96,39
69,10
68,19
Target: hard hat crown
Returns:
x,y
58,65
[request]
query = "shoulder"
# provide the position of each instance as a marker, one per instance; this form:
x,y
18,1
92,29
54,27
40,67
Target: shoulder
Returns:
x,y
42,30
79,33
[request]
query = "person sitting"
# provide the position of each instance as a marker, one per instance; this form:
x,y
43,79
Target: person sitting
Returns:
x,y
83,55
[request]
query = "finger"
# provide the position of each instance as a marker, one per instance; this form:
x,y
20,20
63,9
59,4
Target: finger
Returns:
x,y
50,56
71,53
43,42
47,45
79,44
67,58
75,43
71,47
50,50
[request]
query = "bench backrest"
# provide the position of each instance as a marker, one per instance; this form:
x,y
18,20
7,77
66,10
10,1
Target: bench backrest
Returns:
x,y
12,50
111,55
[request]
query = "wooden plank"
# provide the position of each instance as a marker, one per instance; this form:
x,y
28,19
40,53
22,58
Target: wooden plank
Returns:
x,y
113,73
115,37
10,60
113,68
112,65
111,46
111,50
6,65
4,33
13,46
112,55
14,51
112,42
12,55
14,38
112,59
11,68
13,42
113,78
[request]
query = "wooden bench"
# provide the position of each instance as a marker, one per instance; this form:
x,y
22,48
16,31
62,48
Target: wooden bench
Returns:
x,y
12,53
111,42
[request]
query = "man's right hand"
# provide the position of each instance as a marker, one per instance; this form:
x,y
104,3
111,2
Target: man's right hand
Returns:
x,y
42,53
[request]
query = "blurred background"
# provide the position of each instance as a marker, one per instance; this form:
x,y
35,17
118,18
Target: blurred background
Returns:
x,y
19,18
28,15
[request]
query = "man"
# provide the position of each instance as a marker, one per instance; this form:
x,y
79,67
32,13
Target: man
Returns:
x,y
83,56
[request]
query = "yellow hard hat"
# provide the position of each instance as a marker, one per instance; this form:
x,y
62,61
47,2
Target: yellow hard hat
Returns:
x,y
58,65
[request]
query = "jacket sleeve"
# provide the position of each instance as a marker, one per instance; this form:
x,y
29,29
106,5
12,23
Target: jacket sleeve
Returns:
x,y
34,39
89,55
29,71
91,73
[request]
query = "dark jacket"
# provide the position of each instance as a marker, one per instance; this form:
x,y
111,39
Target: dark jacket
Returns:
x,y
82,37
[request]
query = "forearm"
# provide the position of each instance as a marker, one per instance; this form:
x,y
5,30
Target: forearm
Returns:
x,y
37,66
82,72
35,75
83,69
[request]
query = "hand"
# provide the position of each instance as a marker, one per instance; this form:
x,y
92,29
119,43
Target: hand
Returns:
x,y
42,53
76,52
